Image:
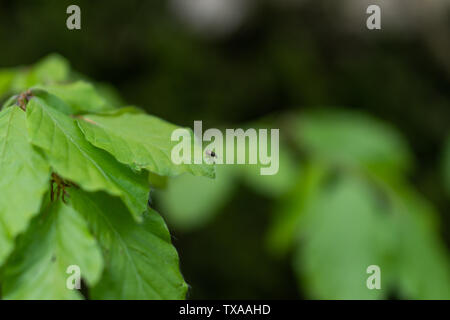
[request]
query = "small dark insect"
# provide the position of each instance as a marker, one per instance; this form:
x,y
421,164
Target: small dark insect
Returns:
x,y
212,154
61,186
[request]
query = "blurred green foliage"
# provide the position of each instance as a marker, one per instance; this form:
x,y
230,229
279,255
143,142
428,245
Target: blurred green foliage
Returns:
x,y
350,190
350,207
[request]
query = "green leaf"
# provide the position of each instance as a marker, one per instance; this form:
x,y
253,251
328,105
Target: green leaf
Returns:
x,y
75,159
349,223
24,178
191,202
53,101
139,140
292,207
341,236
80,96
352,139
51,69
57,239
120,111
140,261
273,185
11,101
423,264
157,181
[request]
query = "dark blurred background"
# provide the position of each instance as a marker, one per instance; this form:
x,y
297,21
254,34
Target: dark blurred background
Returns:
x,y
228,62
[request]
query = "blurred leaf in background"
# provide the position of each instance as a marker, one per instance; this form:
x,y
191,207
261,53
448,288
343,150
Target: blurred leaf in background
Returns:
x,y
53,72
281,57
339,238
345,205
351,139
190,202
362,213
51,69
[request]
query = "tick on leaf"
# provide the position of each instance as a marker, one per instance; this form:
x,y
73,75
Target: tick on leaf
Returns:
x,y
212,154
